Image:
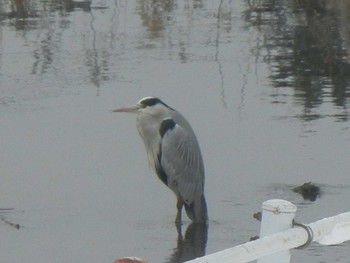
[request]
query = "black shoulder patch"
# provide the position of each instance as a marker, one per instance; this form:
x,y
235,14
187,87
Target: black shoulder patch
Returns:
x,y
167,124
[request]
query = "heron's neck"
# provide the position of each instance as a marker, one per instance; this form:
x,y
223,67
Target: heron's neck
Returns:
x,y
148,127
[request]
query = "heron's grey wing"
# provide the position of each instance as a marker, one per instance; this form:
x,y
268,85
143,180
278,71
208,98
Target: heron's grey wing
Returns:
x,y
181,161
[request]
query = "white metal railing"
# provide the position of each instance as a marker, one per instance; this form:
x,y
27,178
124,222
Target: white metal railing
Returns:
x,y
279,234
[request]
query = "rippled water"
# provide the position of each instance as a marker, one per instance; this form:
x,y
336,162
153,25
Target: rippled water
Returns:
x,y
265,85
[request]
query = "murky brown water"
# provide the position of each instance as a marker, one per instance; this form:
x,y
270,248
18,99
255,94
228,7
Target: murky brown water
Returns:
x,y
265,84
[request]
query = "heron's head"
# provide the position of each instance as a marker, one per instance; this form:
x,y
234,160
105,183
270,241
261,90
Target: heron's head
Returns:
x,y
147,105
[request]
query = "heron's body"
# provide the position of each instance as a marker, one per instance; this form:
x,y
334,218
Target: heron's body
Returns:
x,y
174,154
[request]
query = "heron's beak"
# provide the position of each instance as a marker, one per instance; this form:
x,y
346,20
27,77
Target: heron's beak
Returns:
x,y
132,109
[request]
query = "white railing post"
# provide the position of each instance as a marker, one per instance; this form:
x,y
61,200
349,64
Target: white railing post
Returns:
x,y
277,236
277,216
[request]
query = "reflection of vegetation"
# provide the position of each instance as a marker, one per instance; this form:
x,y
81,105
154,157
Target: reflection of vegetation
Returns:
x,y
50,19
170,22
154,14
26,8
306,43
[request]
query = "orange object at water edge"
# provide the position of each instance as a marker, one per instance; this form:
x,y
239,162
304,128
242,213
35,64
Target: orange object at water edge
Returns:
x,y
130,260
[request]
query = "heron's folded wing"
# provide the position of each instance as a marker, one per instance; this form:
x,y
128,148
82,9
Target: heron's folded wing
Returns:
x,y
181,160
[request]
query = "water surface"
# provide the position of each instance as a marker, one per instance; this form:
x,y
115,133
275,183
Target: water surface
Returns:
x,y
265,85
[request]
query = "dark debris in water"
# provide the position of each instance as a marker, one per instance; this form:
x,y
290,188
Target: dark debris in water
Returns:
x,y
309,191
257,216
3,219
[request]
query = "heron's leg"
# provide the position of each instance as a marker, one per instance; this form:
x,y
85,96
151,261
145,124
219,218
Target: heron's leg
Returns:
x,y
179,205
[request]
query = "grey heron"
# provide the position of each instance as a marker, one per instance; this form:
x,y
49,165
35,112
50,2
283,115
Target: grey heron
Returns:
x,y
173,153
